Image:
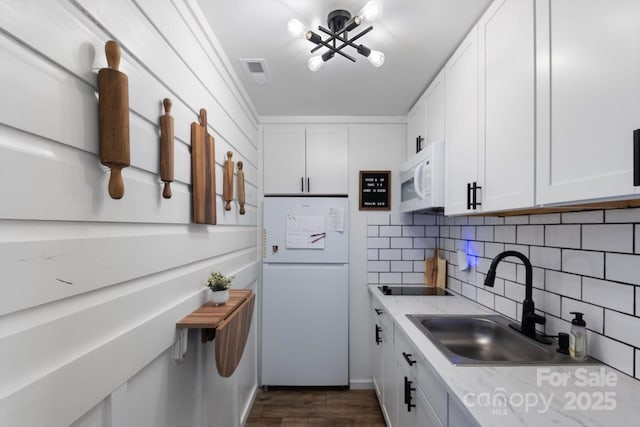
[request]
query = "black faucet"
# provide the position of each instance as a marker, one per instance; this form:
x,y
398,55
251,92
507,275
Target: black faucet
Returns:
x,y
529,316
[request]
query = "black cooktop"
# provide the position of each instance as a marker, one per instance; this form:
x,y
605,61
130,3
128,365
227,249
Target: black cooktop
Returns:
x,y
413,290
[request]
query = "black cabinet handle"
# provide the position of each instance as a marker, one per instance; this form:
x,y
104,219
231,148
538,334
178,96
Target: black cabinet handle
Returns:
x,y
468,195
475,188
407,357
302,184
308,185
407,394
378,339
636,157
419,140
378,311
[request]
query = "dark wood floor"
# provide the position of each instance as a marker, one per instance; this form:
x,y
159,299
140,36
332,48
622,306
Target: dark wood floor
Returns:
x,y
305,407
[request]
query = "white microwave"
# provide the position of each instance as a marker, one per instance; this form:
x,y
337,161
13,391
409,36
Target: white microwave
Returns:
x,y
422,179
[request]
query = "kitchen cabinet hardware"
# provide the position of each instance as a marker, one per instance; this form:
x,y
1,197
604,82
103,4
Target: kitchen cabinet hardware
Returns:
x,y
378,311
636,157
308,185
419,141
468,195
302,184
474,202
378,338
407,357
407,394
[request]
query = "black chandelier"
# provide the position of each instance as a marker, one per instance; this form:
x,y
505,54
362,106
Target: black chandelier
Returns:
x,y
340,22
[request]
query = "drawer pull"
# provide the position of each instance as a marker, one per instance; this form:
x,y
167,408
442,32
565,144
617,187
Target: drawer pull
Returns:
x,y
407,394
378,338
407,357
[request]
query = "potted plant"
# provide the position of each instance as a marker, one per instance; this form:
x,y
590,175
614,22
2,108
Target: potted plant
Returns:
x,y
219,285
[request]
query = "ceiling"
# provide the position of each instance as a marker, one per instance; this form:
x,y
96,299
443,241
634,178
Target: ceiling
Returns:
x,y
416,36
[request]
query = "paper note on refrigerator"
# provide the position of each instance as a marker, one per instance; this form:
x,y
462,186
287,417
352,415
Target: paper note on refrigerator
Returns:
x,y
305,232
336,219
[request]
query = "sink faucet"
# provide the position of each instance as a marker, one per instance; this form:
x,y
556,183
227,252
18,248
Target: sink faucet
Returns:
x,y
529,316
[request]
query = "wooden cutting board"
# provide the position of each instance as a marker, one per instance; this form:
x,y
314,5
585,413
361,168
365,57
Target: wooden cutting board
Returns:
x,y
435,270
203,174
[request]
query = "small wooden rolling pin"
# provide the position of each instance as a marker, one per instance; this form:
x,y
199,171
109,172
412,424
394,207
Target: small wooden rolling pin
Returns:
x,y
227,182
166,148
113,111
241,194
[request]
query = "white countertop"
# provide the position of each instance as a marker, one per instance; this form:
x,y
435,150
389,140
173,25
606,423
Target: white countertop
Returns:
x,y
574,403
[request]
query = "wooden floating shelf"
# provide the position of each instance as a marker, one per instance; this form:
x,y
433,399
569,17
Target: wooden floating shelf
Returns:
x,y
232,322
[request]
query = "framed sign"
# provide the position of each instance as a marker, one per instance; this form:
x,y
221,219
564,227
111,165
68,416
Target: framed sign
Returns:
x,y
375,190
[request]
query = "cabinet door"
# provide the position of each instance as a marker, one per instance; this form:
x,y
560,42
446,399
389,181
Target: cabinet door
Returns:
x,y
588,98
416,127
461,123
458,415
507,100
434,105
327,159
284,158
407,395
389,389
378,366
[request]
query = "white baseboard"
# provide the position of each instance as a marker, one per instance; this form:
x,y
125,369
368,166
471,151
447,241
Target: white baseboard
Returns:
x,y
361,384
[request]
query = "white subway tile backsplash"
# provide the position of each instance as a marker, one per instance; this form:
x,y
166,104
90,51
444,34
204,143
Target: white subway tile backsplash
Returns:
x,y
622,327
611,295
432,231
622,215
372,231
505,306
583,217
372,277
444,231
611,352
523,249
412,254
485,298
402,266
514,291
418,266
372,254
586,263
483,265
390,231
505,233
547,302
553,218
517,219
484,233
469,291
378,266
538,276
454,285
476,220
461,220
414,231
507,270
622,268
593,315
468,233
449,244
402,242
412,277
390,254
608,237
565,236
530,234
563,283
544,257
455,231
424,243
493,220
493,249
475,248
390,278
377,242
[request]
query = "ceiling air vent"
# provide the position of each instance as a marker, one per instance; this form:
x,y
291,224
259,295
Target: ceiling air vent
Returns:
x,y
256,71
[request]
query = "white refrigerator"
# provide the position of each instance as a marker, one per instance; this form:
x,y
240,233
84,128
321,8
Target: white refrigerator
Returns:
x,y
305,291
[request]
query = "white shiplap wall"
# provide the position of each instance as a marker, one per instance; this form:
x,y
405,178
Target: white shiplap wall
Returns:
x,y
92,287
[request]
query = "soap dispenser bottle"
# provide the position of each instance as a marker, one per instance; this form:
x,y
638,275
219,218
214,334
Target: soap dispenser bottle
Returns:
x,y
578,337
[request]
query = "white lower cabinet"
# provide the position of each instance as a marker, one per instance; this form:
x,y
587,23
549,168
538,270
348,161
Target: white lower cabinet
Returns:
x,y
383,364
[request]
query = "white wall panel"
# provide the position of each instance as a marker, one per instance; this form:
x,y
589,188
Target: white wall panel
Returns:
x,y
92,287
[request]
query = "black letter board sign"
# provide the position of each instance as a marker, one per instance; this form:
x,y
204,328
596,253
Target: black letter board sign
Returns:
x,y
375,190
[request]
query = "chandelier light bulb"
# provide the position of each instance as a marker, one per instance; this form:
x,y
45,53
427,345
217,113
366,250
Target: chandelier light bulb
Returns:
x,y
315,62
370,11
296,28
376,58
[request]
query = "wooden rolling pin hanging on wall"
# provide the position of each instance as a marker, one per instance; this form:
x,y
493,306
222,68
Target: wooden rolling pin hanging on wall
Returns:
x,y
113,111
227,182
241,194
166,148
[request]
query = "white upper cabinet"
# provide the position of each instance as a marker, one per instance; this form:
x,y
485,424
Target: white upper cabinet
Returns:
x,y
507,106
461,124
588,98
416,127
434,109
301,159
489,113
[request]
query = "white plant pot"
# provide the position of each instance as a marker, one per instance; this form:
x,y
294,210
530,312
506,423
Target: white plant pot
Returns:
x,y
220,297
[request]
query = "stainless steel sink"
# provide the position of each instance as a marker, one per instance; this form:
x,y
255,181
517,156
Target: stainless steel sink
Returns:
x,y
486,340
